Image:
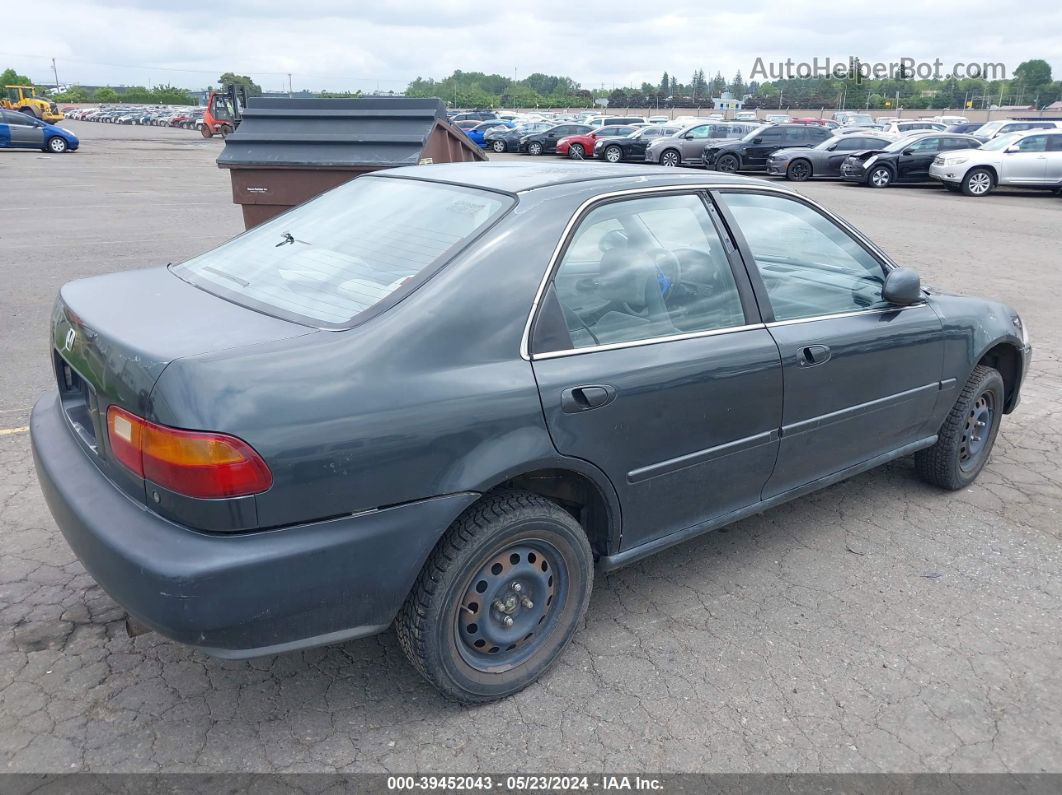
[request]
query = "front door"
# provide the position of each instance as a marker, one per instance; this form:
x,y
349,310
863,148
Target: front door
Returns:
x,y
861,377
1027,163
913,163
25,132
652,364
760,148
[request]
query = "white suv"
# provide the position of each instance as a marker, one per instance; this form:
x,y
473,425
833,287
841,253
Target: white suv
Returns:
x,y
1031,159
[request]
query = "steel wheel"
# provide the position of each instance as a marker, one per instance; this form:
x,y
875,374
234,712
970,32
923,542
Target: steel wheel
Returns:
x,y
575,151
728,164
613,154
498,146
977,183
976,432
670,158
880,177
507,610
798,171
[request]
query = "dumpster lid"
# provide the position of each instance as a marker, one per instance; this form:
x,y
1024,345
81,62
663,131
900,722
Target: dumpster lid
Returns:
x,y
374,132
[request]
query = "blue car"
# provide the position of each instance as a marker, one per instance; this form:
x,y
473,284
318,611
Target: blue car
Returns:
x,y
478,132
21,131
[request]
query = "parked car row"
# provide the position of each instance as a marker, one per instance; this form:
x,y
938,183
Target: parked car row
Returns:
x,y
151,115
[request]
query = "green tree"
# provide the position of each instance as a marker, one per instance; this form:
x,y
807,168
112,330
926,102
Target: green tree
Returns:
x,y
72,94
665,84
718,84
105,95
9,77
251,87
737,86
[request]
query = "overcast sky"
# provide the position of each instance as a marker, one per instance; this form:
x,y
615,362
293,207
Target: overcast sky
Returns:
x,y
362,45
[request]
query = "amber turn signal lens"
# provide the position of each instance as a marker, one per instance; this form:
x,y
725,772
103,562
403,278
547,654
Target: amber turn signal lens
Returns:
x,y
194,463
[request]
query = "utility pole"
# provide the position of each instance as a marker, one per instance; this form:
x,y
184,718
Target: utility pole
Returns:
x,y
289,85
56,75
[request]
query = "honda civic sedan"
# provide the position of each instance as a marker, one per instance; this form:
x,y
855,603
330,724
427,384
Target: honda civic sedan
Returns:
x,y
434,397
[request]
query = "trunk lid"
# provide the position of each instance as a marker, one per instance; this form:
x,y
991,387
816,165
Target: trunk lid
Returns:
x,y
112,336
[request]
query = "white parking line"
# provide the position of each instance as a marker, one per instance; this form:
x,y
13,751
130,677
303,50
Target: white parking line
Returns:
x,y
10,431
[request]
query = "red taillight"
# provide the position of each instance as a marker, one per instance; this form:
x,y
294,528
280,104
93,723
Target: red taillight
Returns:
x,y
193,463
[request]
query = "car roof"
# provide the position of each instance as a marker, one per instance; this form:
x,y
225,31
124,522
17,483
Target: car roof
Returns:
x,y
517,177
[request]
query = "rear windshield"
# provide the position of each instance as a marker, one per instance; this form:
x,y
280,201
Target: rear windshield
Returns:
x,y
327,261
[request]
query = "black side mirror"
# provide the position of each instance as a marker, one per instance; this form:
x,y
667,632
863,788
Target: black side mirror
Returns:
x,y
902,287
831,148
757,140
908,152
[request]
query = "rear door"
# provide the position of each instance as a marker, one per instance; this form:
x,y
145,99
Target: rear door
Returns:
x,y
652,363
5,131
1054,159
861,377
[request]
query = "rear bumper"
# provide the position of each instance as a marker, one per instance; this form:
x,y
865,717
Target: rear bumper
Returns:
x,y
235,596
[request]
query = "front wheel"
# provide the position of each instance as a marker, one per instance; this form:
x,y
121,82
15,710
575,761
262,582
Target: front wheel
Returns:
x,y
206,131
576,152
498,146
978,182
880,177
56,145
534,148
798,171
613,154
499,599
728,164
670,158
965,440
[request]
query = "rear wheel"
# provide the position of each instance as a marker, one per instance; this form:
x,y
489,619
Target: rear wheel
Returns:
x,y
56,145
498,146
29,110
534,148
880,177
576,152
670,158
978,182
965,440
226,130
728,164
499,599
798,171
613,154
206,131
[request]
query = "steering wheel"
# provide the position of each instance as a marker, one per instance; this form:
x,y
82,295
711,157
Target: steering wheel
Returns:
x,y
701,269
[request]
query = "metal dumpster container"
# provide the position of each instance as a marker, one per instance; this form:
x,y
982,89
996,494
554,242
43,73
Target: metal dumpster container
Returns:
x,y
286,151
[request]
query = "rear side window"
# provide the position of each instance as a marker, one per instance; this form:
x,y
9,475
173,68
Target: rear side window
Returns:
x,y
646,268
329,260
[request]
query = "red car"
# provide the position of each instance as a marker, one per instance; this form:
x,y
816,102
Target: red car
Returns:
x,y
579,146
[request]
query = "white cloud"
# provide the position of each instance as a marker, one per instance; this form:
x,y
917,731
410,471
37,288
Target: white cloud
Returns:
x,y
329,44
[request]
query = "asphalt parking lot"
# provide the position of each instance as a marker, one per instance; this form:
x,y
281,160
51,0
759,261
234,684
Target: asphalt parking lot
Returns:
x,y
879,625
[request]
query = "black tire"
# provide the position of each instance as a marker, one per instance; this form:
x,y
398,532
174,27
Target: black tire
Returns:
x,y
498,146
978,182
29,111
613,154
438,621
576,152
206,131
953,463
535,148
879,177
728,164
55,145
798,171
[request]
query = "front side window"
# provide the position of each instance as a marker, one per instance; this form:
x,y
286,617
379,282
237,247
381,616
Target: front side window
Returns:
x,y
327,261
646,268
809,265
925,146
700,132
1032,143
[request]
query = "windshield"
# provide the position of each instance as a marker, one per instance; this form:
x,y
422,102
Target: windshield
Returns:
x,y
753,133
997,144
903,143
327,261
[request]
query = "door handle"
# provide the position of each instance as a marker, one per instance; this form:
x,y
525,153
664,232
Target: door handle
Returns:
x,y
810,355
584,398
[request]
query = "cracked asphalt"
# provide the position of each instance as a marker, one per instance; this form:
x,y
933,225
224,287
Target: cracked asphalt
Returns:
x,y
879,625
